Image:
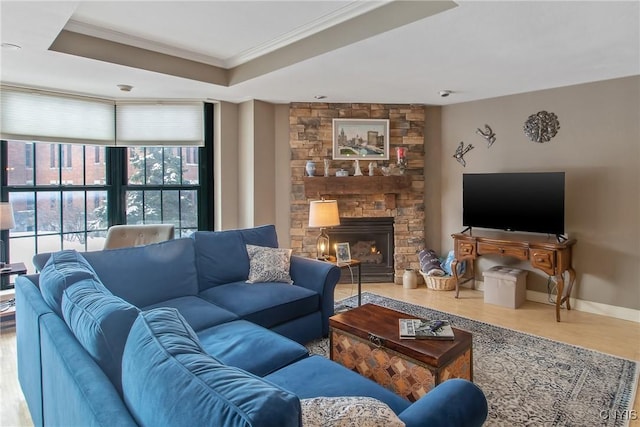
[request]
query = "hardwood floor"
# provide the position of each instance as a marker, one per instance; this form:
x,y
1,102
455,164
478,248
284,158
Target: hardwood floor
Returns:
x,y
616,337
13,408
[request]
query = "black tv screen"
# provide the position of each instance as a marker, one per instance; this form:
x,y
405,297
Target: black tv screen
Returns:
x,y
530,201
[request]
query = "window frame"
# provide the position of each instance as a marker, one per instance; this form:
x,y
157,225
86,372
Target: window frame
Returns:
x,y
115,160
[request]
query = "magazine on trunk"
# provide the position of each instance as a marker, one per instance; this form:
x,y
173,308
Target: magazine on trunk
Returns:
x,y
423,329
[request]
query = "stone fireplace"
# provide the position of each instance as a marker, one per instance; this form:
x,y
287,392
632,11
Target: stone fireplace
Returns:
x,y
398,198
371,242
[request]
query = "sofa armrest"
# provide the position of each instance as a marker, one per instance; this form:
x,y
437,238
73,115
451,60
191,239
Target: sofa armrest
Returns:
x,y
318,276
455,402
30,309
75,391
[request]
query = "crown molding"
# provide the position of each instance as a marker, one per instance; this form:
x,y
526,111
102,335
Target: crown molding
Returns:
x,y
321,23
139,42
349,11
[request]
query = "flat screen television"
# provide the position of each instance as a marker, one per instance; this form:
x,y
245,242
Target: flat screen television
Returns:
x,y
524,201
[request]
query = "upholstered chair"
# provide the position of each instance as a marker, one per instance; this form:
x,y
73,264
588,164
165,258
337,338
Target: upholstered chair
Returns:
x,y
122,236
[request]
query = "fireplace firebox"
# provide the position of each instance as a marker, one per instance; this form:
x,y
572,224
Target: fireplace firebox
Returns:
x,y
370,242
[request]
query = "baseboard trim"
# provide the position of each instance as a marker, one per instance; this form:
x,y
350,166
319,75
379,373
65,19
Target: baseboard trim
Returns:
x,y
622,313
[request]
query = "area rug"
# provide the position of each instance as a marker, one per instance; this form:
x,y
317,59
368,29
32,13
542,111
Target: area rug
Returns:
x,y
533,381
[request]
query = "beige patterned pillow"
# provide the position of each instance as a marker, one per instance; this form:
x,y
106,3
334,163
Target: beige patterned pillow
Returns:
x,y
268,264
347,411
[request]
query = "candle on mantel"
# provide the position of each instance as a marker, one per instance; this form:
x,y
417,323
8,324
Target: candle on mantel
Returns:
x,y
402,155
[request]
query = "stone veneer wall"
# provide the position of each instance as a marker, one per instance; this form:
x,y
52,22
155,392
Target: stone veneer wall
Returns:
x,y
311,136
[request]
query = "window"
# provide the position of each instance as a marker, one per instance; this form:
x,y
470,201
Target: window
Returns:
x,y
53,156
66,151
191,156
28,156
52,214
65,196
161,189
73,213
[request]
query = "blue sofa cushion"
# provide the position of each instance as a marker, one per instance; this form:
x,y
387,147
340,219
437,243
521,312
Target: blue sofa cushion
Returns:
x,y
317,376
198,313
146,275
168,380
101,322
222,255
62,270
267,304
250,347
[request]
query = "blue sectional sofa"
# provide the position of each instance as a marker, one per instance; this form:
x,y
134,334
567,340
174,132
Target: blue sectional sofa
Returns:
x,y
170,334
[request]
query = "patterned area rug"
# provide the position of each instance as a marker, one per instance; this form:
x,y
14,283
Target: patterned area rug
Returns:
x,y
529,380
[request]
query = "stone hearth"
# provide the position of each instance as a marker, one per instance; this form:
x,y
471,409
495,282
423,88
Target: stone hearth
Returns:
x,y
311,130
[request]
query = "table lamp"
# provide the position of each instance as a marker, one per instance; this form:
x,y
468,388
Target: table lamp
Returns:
x,y
323,213
6,222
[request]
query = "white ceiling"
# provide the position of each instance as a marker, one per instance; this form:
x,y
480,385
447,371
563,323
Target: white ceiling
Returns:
x,y
477,49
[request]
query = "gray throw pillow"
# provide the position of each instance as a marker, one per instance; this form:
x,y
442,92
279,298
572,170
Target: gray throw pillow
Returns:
x,y
347,411
268,264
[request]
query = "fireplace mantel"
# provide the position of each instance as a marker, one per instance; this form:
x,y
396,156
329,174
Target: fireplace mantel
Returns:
x,y
318,186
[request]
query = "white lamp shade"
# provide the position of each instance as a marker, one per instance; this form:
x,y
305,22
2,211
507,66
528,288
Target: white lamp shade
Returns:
x,y
6,216
323,213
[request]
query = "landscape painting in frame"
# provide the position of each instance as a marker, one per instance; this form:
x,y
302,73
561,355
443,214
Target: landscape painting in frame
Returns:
x,y
360,139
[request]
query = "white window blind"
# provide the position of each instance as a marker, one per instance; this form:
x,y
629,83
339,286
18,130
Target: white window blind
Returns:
x,y
159,123
31,115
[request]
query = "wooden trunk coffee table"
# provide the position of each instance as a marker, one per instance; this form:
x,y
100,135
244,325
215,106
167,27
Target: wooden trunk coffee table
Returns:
x,y
366,340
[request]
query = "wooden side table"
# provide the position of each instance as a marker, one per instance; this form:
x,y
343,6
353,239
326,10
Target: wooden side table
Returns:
x,y
7,296
353,263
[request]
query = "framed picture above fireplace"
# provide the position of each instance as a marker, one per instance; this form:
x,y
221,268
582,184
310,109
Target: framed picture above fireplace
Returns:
x,y
360,139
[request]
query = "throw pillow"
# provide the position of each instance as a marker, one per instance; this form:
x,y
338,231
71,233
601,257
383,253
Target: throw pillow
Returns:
x,y
268,264
430,263
446,265
347,411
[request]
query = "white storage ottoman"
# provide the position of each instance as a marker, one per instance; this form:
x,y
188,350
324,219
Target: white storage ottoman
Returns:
x,y
505,286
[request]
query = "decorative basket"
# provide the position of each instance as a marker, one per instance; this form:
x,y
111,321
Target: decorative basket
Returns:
x,y
439,283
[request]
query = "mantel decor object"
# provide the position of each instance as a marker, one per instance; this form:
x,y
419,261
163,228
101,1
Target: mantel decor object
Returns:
x,y
401,153
310,168
541,127
360,139
358,171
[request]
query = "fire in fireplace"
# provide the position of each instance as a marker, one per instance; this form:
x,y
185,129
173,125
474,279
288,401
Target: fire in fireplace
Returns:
x,y
370,242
